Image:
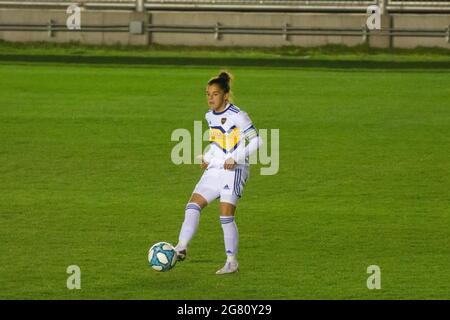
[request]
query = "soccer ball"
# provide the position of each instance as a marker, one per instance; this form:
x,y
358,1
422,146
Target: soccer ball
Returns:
x,y
162,256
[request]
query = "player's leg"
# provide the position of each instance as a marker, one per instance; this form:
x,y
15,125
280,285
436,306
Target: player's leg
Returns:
x,y
190,224
230,237
202,195
227,209
233,183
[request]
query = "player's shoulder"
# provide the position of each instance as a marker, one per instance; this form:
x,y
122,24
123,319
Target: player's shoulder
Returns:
x,y
241,118
238,112
234,109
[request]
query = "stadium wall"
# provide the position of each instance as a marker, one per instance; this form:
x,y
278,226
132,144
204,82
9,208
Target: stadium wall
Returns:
x,y
88,18
248,19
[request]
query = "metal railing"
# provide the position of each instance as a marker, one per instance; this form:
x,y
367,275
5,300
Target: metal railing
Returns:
x,y
394,6
286,31
218,30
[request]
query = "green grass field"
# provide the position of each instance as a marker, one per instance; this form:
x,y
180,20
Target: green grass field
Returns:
x,y
86,179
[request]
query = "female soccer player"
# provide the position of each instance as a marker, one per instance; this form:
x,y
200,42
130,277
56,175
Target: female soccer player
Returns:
x,y
226,168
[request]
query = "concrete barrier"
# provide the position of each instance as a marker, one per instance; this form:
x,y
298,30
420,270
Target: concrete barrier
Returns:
x,y
237,19
59,17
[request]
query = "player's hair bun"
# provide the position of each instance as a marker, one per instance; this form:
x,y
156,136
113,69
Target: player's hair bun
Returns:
x,y
222,80
225,75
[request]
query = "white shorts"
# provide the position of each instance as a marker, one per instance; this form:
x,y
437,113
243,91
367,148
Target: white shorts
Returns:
x,y
226,184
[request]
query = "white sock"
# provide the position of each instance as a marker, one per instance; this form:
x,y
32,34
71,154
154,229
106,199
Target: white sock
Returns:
x,y
190,225
230,236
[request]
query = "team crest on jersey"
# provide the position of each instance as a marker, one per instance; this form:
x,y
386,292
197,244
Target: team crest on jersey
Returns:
x,y
223,120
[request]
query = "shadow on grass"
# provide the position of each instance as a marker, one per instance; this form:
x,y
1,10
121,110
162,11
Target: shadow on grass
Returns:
x,y
248,62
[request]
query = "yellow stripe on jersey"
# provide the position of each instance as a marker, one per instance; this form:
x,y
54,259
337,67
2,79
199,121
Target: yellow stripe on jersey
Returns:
x,y
226,140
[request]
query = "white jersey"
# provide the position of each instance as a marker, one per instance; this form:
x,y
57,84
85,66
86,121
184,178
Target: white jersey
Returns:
x,y
228,132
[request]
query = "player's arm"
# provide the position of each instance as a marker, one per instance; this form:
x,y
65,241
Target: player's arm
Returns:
x,y
250,134
208,155
254,143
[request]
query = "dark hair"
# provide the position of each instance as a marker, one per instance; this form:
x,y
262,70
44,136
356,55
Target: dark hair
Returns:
x,y
223,80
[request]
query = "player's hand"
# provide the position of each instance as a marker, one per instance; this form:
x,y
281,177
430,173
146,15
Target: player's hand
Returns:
x,y
229,164
204,165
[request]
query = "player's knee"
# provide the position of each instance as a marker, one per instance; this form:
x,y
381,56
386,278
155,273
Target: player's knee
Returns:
x,y
227,209
198,200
